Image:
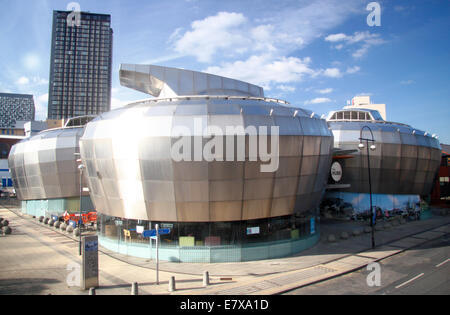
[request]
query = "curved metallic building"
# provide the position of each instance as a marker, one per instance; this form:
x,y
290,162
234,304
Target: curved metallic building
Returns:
x,y
404,162
132,172
44,167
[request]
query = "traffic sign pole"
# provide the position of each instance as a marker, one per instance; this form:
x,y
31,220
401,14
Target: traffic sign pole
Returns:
x,y
157,253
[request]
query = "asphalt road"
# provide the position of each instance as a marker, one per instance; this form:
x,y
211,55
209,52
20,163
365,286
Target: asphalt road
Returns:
x,y
421,270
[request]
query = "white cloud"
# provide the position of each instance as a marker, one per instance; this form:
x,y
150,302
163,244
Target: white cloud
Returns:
x,y
407,82
265,70
318,100
286,88
231,34
332,73
31,61
325,91
23,81
352,70
366,38
33,81
39,81
257,50
211,34
336,37
361,51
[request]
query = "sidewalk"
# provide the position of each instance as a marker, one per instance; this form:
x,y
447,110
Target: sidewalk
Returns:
x,y
117,272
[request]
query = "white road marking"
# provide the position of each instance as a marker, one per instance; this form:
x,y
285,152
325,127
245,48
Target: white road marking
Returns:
x,y
438,265
410,280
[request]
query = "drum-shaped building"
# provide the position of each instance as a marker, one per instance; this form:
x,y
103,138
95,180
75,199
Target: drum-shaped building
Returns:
x,y
228,174
403,160
44,170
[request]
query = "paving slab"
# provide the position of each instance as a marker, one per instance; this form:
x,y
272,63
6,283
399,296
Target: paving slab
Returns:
x,y
408,242
381,252
356,260
340,266
430,235
445,229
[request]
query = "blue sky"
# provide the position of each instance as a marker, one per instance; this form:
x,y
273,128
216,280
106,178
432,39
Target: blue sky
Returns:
x,y
314,54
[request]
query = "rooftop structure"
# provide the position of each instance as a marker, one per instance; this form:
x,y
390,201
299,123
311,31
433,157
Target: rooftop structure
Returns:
x,y
364,102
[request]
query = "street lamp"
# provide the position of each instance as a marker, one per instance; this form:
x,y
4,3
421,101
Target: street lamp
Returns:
x,y
80,167
361,146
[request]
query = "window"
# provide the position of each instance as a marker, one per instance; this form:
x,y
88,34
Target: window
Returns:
x,y
361,116
347,115
354,115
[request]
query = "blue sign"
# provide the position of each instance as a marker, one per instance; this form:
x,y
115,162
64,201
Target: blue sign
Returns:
x,y
151,233
91,246
313,226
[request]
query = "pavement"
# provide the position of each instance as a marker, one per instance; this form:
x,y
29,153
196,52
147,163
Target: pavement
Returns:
x,y
37,259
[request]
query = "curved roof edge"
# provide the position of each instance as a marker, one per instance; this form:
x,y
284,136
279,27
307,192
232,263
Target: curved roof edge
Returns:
x,y
170,82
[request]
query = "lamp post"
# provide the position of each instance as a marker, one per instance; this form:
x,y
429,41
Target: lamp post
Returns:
x,y
80,167
372,147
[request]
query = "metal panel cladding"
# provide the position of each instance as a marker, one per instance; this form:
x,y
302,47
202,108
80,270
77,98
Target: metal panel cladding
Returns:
x,y
44,166
405,160
128,154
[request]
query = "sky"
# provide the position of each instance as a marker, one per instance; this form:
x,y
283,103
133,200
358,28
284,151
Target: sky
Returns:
x,y
314,54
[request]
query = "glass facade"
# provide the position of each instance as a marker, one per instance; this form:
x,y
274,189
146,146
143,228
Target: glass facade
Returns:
x,y
191,238
15,107
80,73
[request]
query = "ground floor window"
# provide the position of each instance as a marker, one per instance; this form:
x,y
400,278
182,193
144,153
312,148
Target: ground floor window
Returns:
x,y
187,234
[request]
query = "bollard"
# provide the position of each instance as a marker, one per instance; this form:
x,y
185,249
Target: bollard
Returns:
x,y
172,284
6,230
69,229
205,278
331,238
134,288
344,235
92,291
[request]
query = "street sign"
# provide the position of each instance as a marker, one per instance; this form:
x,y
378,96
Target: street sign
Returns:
x,y
151,233
89,271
